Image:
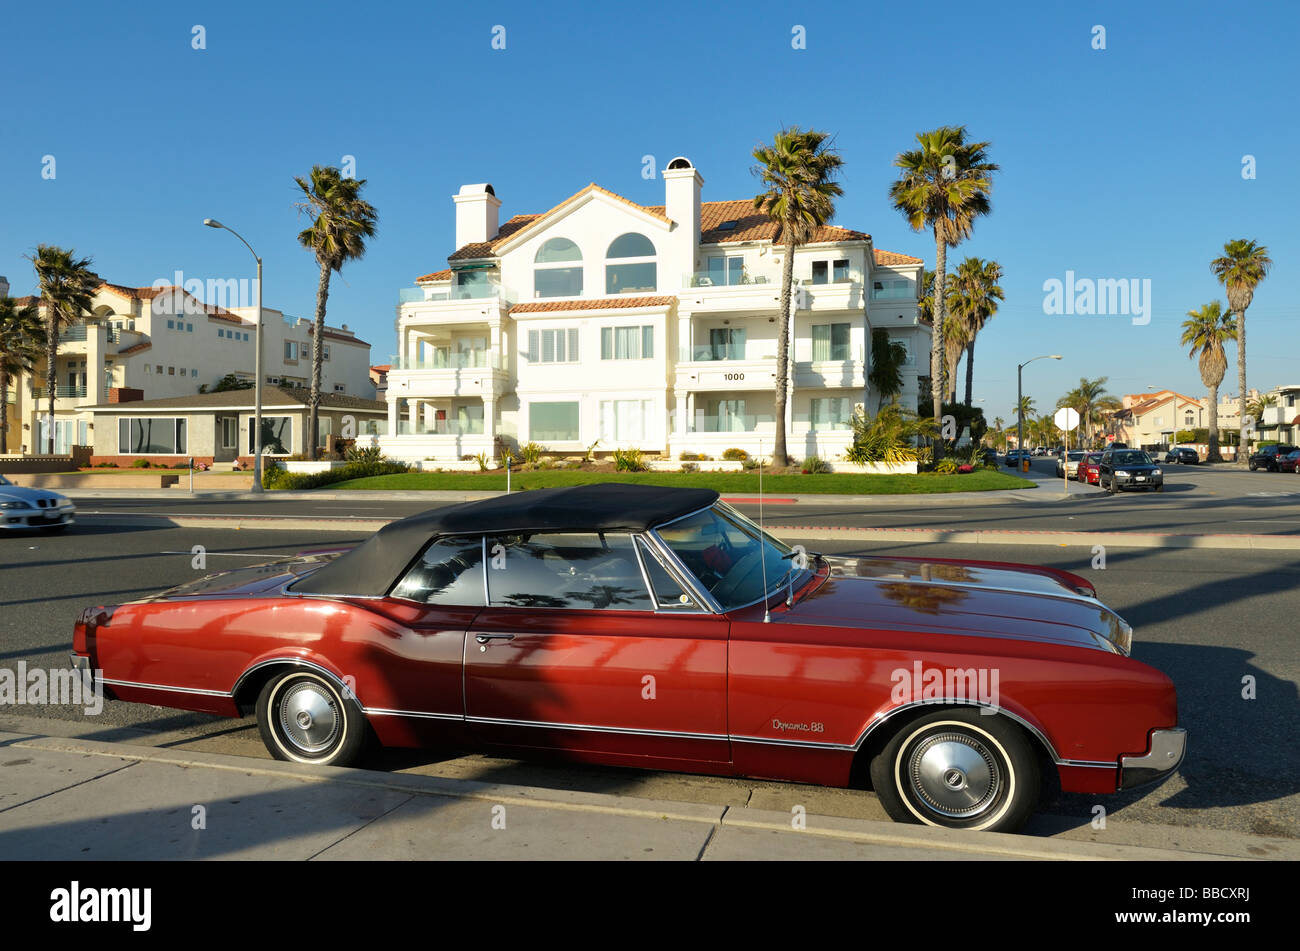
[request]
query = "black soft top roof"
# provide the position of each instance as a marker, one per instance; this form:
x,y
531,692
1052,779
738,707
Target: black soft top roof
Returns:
x,y
371,568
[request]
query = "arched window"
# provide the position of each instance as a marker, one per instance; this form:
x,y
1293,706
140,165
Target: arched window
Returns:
x,y
557,269
630,265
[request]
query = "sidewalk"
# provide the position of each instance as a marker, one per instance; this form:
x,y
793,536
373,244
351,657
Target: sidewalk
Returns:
x,y
76,799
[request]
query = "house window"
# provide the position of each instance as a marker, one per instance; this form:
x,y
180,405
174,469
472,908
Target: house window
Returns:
x,y
726,343
229,432
631,265
831,412
189,328
840,270
892,290
290,350
553,346
164,435
340,388
277,435
171,371
725,270
221,332
728,416
557,270
325,352
194,373
627,343
830,342
159,370
171,324
624,420
553,422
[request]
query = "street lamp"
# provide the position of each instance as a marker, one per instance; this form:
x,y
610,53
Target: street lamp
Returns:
x,y
257,360
1020,416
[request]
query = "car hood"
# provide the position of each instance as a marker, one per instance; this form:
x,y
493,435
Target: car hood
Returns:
x,y
18,493
964,598
1135,467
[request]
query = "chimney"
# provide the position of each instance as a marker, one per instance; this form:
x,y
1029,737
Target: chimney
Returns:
x,y
476,214
682,204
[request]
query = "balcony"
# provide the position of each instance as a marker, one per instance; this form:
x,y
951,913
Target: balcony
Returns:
x,y
716,375
732,424
440,427
478,373
443,359
480,291
60,392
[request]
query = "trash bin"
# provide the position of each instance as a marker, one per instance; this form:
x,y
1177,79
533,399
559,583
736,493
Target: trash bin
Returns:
x,y
1024,465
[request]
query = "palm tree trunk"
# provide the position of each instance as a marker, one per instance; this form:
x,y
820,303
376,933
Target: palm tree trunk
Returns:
x,y
970,370
317,358
936,341
51,376
1212,453
1242,456
4,414
779,457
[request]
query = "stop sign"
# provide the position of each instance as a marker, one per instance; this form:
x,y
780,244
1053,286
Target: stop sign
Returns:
x,y
1066,418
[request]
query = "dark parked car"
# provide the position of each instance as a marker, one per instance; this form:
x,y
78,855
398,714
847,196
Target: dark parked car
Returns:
x,y
989,457
1129,469
1289,463
1014,456
1267,457
1183,456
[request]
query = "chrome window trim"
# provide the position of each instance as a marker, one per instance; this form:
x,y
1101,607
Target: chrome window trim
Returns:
x,y
511,607
684,574
487,596
640,541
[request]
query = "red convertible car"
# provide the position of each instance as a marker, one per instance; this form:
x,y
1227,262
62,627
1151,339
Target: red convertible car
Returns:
x,y
660,628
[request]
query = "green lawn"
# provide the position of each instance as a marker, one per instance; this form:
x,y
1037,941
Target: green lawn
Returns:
x,y
981,480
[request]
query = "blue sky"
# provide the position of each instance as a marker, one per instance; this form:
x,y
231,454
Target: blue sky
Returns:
x,y
1117,163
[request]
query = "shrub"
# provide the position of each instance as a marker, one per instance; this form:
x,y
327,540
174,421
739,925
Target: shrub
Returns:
x,y
275,477
629,460
140,464
104,465
690,467
947,466
573,464
591,450
182,465
814,465
693,457
530,453
965,468
749,462
735,455
365,455
482,460
889,436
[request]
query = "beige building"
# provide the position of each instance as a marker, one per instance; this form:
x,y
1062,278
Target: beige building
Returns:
x,y
160,343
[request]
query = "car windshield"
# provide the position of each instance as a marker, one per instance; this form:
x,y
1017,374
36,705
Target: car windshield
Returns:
x,y
733,559
1132,457
1075,456
1093,457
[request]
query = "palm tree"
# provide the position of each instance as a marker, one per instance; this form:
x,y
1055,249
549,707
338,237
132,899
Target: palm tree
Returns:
x,y
21,340
67,288
1024,410
944,186
342,221
1255,407
1205,331
1241,268
956,334
925,302
798,170
1086,399
998,422
974,299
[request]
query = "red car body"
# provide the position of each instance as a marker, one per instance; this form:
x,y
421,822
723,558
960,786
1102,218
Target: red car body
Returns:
x,y
802,685
1090,468
1290,462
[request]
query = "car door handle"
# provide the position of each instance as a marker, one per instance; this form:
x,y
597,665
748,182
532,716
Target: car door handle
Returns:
x,y
484,638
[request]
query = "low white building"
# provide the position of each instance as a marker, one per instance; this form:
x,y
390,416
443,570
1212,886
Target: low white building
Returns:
x,y
604,322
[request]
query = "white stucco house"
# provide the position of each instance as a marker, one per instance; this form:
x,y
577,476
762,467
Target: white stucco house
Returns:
x,y
648,327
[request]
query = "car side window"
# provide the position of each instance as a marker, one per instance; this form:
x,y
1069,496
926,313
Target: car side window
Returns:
x,y
449,571
668,593
575,570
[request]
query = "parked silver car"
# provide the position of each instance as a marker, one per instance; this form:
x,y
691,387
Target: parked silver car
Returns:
x,y
33,508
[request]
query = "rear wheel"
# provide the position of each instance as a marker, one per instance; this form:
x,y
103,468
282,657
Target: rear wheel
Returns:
x,y
958,769
304,718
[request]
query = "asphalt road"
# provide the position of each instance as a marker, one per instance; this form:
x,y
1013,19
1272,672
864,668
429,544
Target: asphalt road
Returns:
x,y
1196,500
1207,619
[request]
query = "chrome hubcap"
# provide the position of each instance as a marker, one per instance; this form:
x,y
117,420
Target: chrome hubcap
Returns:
x,y
309,717
953,774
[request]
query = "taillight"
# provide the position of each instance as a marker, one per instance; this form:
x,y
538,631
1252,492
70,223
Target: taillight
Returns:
x,y
83,631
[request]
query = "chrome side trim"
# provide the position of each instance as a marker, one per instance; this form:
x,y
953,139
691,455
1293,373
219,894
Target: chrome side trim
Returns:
x,y
959,702
295,662
587,728
378,712
169,689
805,744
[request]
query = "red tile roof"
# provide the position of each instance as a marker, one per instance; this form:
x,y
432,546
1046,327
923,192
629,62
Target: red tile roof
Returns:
x,y
885,258
599,303
483,249
435,276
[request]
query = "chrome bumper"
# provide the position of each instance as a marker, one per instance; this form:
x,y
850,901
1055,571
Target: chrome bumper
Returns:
x,y
1159,763
82,665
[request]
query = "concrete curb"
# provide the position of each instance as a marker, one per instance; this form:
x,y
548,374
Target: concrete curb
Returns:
x,y
794,532
983,844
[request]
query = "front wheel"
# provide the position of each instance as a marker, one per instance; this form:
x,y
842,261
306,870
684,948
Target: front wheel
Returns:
x,y
958,769
304,718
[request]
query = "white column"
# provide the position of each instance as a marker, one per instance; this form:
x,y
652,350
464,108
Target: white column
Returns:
x,y
392,415
490,418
